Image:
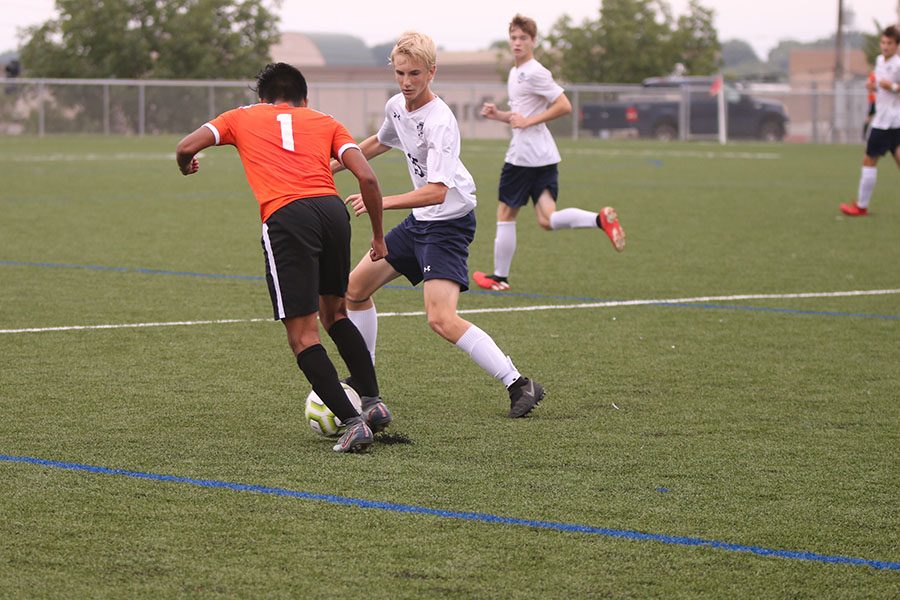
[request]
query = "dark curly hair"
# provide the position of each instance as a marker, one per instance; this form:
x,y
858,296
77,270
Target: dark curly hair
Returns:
x,y
892,32
281,81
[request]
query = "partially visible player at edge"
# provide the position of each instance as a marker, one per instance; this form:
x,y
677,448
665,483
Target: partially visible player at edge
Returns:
x,y
432,243
286,149
530,170
884,130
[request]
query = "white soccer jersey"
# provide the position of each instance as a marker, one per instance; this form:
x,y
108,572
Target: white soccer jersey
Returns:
x,y
429,136
887,103
531,91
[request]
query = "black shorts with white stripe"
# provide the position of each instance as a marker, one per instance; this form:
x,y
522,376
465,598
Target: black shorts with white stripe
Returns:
x,y
306,246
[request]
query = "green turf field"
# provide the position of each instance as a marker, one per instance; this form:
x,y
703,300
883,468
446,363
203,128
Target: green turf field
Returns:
x,y
768,428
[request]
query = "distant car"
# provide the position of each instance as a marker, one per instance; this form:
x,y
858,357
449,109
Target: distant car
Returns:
x,y
657,115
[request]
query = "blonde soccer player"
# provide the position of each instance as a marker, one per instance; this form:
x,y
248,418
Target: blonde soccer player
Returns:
x,y
432,243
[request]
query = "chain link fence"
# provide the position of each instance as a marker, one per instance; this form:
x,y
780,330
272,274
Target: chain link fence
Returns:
x,y
150,107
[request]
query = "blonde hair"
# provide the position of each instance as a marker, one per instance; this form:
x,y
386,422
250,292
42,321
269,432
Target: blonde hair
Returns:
x,y
526,24
416,46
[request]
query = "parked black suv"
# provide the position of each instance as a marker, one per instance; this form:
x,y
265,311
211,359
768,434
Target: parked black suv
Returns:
x,y
657,115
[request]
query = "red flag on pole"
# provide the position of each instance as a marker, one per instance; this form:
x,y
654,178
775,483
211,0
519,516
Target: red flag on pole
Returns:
x,y
716,86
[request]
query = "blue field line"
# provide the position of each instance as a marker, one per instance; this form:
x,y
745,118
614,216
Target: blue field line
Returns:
x,y
465,516
15,263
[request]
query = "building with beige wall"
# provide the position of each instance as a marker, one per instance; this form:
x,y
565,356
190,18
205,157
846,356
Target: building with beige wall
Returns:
x,y
350,82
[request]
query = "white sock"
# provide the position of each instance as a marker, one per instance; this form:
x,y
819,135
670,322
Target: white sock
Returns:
x,y
504,247
573,218
866,186
485,352
367,323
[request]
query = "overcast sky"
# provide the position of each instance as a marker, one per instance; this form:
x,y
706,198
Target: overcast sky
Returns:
x,y
474,24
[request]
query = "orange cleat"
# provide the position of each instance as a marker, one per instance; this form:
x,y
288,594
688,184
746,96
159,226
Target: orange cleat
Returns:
x,y
853,210
490,282
609,223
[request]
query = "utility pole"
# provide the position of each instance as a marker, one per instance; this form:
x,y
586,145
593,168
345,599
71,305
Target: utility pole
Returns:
x,y
839,45
837,84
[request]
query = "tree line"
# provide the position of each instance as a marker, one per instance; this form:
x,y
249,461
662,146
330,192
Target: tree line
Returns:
x,y
625,42
231,39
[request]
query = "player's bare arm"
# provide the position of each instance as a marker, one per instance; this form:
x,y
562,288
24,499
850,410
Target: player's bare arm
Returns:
x,y
370,148
489,111
889,85
370,197
427,195
559,108
187,149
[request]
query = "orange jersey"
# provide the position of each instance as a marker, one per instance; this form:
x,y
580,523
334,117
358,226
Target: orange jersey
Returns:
x,y
286,151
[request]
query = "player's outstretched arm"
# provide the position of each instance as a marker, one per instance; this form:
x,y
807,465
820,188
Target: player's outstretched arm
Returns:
x,y
188,148
370,147
370,191
427,195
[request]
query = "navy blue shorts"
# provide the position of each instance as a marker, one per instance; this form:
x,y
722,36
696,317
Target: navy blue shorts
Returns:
x,y
517,184
432,249
882,141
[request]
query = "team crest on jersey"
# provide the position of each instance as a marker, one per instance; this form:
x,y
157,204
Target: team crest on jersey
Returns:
x,y
521,77
420,129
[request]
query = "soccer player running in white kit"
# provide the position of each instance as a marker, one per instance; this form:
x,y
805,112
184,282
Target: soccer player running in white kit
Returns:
x,y
884,131
530,168
432,243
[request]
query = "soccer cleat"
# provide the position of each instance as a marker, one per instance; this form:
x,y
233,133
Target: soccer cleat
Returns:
x,y
357,437
609,223
376,413
524,395
490,282
854,210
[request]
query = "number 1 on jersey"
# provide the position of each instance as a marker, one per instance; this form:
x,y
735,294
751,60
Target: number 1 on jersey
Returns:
x,y
287,131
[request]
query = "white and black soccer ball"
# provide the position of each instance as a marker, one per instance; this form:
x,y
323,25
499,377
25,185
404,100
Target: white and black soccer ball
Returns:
x,y
320,418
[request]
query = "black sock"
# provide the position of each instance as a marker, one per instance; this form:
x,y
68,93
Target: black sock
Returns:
x,y
320,372
498,278
352,346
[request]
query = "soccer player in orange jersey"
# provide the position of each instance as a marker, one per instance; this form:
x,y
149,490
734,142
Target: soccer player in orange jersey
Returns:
x,y
286,149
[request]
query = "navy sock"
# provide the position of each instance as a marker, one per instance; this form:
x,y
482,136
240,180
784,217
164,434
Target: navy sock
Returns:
x,y
320,372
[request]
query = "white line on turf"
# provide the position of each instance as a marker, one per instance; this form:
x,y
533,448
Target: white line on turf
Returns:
x,y
473,311
651,153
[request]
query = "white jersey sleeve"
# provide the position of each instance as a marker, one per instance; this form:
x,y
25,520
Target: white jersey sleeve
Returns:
x,y
387,135
541,84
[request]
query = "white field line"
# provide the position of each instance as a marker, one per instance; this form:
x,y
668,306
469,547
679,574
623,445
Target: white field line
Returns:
x,y
473,148
129,325
506,309
651,153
